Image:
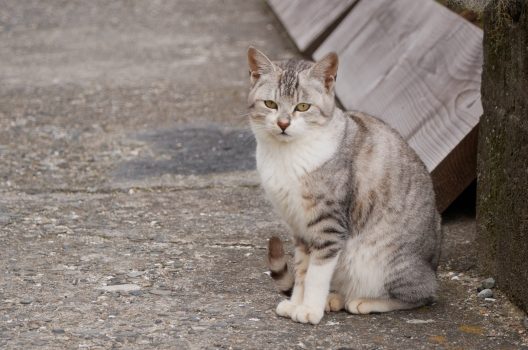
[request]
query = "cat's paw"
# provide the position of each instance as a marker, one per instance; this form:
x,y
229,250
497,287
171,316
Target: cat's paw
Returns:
x,y
285,308
305,314
358,307
334,302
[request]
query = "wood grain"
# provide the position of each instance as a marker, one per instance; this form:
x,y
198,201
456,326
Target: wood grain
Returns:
x,y
306,20
417,66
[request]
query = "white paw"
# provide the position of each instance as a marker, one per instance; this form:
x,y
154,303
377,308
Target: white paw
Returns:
x,y
354,307
285,308
305,314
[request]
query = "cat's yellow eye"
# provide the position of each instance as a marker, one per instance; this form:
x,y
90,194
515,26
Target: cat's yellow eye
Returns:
x,y
302,107
270,104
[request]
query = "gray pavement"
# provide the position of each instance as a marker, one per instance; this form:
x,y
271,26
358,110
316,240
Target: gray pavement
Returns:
x,y
130,211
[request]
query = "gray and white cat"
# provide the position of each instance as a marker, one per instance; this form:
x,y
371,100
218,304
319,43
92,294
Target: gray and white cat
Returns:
x,y
357,199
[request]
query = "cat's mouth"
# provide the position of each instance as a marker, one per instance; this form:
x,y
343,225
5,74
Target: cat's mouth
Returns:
x,y
283,133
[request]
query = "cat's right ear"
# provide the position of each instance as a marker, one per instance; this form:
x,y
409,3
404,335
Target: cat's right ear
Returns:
x,y
258,64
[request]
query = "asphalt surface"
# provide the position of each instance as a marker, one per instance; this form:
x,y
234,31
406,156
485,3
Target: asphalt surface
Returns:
x,y
130,211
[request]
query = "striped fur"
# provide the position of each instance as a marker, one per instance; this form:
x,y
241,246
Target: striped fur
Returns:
x,y
357,200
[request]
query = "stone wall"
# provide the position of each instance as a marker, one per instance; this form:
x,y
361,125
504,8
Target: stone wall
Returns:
x,y
502,207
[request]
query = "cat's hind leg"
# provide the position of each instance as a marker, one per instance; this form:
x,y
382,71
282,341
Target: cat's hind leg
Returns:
x,y
334,302
408,289
367,306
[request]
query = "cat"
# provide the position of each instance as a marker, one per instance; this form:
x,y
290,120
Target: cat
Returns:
x,y
358,201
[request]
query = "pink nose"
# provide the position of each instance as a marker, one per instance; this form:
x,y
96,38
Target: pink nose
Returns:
x,y
283,123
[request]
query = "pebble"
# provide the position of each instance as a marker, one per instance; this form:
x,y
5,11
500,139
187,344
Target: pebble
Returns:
x,y
485,293
57,331
115,281
121,288
160,292
418,321
134,274
488,283
32,325
26,301
525,322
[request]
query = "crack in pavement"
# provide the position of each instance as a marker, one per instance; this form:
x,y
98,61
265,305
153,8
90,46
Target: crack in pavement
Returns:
x,y
147,189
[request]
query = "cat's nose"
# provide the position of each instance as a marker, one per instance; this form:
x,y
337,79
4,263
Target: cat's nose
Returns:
x,y
283,123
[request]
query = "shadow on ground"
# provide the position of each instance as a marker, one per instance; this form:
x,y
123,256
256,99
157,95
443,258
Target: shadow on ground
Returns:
x,y
191,151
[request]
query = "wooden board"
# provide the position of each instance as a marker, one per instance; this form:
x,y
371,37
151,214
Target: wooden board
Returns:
x,y
417,66
306,20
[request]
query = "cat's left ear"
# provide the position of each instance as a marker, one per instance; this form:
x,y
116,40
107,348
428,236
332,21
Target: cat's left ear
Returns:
x,y
258,64
326,70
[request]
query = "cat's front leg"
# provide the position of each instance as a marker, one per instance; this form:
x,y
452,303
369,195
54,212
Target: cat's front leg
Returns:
x,y
301,259
321,268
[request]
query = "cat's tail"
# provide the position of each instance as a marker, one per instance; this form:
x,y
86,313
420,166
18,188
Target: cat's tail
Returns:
x,y
278,265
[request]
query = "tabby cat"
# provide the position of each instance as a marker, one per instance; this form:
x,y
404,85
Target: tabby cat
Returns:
x,y
356,198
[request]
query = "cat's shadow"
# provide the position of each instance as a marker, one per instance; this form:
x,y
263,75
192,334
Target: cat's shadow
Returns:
x,y
190,150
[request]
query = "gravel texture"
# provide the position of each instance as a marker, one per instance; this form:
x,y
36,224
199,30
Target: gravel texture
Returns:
x,y
130,212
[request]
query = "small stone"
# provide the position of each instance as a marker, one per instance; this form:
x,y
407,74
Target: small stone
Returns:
x,y
32,325
121,288
134,274
418,321
488,283
26,301
220,325
135,293
115,281
485,293
525,322
57,331
160,292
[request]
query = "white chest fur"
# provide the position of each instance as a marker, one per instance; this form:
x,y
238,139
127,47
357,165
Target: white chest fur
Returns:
x,y
283,165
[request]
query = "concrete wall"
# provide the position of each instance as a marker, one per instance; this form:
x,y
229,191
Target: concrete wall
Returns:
x,y
502,207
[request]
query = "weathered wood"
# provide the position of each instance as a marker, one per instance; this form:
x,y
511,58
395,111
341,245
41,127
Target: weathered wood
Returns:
x,y
417,66
306,20
502,187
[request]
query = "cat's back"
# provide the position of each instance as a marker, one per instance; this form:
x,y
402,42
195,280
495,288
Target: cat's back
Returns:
x,y
389,179
376,144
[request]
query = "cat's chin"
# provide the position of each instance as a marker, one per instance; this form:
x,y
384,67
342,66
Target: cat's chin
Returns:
x,y
283,137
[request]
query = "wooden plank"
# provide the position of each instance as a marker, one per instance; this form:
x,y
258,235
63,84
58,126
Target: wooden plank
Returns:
x,y
306,20
417,66
456,172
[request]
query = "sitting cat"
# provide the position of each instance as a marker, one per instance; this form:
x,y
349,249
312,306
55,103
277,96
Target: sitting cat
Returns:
x,y
357,199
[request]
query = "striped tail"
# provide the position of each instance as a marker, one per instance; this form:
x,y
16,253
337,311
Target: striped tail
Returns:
x,y
278,265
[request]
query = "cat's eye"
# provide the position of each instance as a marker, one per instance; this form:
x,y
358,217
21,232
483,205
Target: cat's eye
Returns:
x,y
270,104
302,107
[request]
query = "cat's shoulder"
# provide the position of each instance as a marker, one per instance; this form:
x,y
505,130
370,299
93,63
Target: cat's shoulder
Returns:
x,y
365,120
371,124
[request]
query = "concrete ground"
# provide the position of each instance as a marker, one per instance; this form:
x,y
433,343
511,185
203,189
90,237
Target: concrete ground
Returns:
x,y
130,212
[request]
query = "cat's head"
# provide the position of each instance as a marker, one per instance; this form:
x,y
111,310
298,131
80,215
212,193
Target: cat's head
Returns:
x,y
290,100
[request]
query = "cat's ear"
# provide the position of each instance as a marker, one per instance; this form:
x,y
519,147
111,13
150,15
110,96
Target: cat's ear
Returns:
x,y
326,70
258,64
